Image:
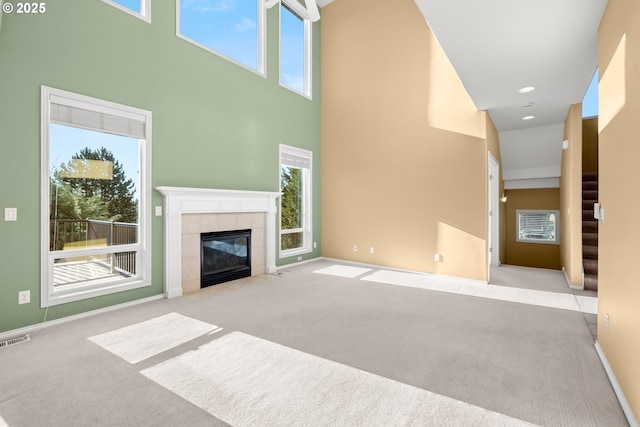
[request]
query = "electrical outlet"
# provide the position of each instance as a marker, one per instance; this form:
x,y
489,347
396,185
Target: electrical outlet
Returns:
x,y
355,248
606,322
299,258
24,297
437,258
371,250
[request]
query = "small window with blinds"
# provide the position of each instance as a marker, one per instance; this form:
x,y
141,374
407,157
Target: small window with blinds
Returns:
x,y
538,226
95,197
138,8
295,202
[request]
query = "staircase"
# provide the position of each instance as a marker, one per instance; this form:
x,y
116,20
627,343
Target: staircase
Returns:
x,y
589,231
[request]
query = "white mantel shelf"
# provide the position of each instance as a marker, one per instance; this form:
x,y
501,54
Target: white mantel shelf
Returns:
x,y
184,200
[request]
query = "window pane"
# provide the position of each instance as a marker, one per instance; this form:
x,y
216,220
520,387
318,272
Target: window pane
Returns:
x,y
292,241
94,188
590,101
292,198
85,270
295,202
291,49
229,27
130,4
538,226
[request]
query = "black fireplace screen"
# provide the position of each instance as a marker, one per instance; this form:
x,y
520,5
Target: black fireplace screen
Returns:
x,y
224,256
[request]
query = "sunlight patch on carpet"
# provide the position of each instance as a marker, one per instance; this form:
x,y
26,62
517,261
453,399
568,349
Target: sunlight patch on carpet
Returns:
x,y
248,381
473,288
3,423
343,271
588,304
151,337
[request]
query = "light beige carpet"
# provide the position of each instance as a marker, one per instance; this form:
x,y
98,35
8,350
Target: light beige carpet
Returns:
x,y
248,381
138,342
477,289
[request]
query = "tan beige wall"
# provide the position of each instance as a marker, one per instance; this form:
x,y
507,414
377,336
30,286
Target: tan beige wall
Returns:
x,y
571,198
404,154
531,254
590,145
493,145
619,153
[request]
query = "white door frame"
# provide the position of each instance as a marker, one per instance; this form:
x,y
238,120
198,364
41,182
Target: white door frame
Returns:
x,y
493,234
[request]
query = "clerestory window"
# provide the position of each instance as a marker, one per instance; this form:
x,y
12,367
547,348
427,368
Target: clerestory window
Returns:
x,y
295,48
138,8
234,30
95,197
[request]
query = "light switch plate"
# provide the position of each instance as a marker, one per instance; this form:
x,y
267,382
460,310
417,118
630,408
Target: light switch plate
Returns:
x,y
10,214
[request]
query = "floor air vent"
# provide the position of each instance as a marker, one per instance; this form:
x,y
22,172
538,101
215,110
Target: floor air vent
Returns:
x,y
14,340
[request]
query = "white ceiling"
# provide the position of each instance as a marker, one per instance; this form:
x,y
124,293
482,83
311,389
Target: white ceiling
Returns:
x,y
499,46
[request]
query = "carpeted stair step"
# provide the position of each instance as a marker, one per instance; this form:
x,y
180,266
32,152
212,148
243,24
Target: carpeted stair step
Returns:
x,y
590,226
589,231
590,176
590,282
590,239
590,266
589,252
587,205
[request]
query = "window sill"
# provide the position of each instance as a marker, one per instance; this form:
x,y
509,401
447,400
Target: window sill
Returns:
x,y
293,252
85,292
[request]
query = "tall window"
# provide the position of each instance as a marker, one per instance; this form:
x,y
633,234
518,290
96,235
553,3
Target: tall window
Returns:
x,y
95,197
295,48
138,8
295,203
538,226
590,100
232,29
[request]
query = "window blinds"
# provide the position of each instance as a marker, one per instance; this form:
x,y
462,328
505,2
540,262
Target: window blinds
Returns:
x,y
541,225
294,160
97,121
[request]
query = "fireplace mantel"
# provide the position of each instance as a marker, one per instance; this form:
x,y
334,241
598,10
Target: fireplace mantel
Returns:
x,y
182,200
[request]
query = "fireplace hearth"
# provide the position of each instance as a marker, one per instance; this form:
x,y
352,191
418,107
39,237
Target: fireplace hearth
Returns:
x,y
224,256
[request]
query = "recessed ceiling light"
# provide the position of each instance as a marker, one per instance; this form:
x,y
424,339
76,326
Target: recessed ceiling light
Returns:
x,y
526,89
528,117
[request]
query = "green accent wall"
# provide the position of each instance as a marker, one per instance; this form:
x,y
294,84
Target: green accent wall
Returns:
x,y
215,124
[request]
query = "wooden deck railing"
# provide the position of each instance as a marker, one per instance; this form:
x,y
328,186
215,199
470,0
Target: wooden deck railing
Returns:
x,y
74,234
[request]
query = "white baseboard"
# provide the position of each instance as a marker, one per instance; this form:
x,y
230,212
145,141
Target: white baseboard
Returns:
x,y
31,328
626,408
566,278
293,264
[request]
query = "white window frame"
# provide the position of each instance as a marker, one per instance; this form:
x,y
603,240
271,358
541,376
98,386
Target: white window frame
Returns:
x,y
145,9
302,13
519,212
49,295
262,40
307,219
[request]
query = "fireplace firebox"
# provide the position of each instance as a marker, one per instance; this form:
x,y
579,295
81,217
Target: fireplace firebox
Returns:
x,y
224,256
